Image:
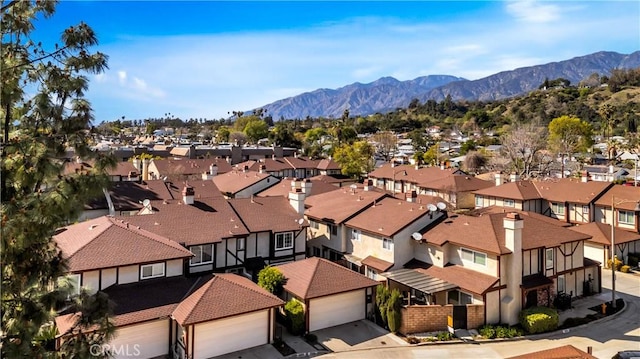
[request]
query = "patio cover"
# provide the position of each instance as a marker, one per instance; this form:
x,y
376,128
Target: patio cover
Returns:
x,y
419,281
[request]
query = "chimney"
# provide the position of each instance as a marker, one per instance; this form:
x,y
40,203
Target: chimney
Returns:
x,y
498,178
585,176
442,167
136,163
78,159
306,186
610,169
295,183
188,194
411,196
393,164
514,177
368,185
511,273
228,160
263,169
273,156
296,199
245,168
417,166
145,169
192,152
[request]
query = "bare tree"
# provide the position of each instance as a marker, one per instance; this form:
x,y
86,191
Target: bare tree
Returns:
x,y
385,143
521,147
474,161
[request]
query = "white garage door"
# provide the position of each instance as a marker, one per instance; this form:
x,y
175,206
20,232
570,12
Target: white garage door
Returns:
x,y
146,340
231,334
336,309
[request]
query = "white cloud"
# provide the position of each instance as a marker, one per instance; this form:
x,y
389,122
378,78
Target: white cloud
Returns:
x,y
122,77
533,11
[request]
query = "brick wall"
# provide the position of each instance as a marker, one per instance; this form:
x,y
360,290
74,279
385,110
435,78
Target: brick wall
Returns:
x,y
475,316
431,318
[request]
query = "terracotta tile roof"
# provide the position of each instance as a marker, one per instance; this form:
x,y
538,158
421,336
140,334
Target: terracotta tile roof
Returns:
x,y
495,209
235,181
317,277
184,166
457,183
341,204
223,296
626,197
571,190
521,190
486,233
389,216
464,278
302,162
284,187
270,164
268,214
334,179
601,233
208,220
377,263
328,164
107,242
418,176
563,352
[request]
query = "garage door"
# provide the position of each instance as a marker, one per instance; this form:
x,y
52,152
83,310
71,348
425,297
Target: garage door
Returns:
x,y
231,334
147,340
336,309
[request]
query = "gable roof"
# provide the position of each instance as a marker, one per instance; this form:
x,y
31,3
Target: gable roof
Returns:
x,y
208,220
328,164
625,197
601,233
390,215
235,181
557,190
520,190
284,187
223,296
462,277
270,165
184,166
267,214
563,352
418,176
121,168
302,162
107,242
457,183
317,277
340,205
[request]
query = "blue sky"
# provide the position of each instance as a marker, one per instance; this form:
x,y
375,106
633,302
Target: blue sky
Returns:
x,y
206,58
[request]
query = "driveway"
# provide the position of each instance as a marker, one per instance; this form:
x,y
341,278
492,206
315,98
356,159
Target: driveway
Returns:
x,y
361,334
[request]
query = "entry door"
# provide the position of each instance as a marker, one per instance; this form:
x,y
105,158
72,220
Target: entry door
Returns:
x,y
532,298
459,317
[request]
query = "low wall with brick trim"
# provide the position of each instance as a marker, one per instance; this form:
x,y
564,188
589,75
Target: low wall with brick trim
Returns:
x,y
431,318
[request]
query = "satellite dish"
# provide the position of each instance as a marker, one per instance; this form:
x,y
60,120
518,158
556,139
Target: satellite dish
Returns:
x,y
441,206
146,202
416,236
432,207
301,221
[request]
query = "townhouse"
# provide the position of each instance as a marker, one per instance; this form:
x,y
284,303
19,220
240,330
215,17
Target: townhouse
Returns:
x,y
243,183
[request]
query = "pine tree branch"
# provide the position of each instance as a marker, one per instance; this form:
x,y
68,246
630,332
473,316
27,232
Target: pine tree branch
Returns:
x,y
36,59
9,5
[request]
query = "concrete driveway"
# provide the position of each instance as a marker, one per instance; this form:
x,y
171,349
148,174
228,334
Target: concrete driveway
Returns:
x,y
361,334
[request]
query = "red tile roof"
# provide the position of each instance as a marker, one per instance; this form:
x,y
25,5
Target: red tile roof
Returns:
x,y
284,187
340,205
557,190
328,164
457,183
270,164
601,233
184,166
107,242
625,197
377,263
224,296
268,214
389,216
208,220
302,162
418,176
521,190
121,169
465,278
563,352
235,181
317,277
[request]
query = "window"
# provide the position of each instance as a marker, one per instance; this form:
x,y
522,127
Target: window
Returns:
x,y
557,208
314,224
509,203
479,201
585,209
316,252
457,297
333,229
74,283
387,244
548,255
371,273
473,256
561,283
240,244
356,235
284,240
626,217
202,254
152,270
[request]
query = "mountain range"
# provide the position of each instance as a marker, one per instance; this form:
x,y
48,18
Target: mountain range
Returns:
x,y
387,93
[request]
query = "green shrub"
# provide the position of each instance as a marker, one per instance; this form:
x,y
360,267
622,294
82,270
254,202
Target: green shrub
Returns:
x,y
394,305
625,269
444,336
382,297
617,263
502,332
295,316
488,331
539,320
271,279
413,340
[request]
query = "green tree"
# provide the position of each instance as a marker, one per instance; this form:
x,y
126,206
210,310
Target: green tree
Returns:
x,y
222,136
382,297
44,113
394,305
295,316
271,279
356,159
432,156
569,134
256,130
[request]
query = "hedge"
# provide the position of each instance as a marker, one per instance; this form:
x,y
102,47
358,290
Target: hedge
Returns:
x,y
539,320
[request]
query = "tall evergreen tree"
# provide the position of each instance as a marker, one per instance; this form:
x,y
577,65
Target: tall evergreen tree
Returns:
x,y
44,114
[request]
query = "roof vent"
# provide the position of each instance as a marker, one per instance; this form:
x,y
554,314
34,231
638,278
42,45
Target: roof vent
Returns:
x,y
91,227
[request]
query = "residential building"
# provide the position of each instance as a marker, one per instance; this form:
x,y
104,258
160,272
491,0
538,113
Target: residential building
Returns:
x,y
244,183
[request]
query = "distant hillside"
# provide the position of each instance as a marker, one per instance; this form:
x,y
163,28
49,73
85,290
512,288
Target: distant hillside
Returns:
x,y
387,93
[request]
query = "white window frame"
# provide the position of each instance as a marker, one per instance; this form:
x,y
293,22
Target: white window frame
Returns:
x,y
313,224
460,294
371,273
157,270
473,256
557,208
561,284
198,252
283,238
626,217
387,243
479,201
240,244
549,260
509,202
356,235
585,209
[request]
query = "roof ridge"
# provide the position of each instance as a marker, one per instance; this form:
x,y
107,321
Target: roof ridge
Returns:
x,y
150,235
89,241
313,274
263,292
205,288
